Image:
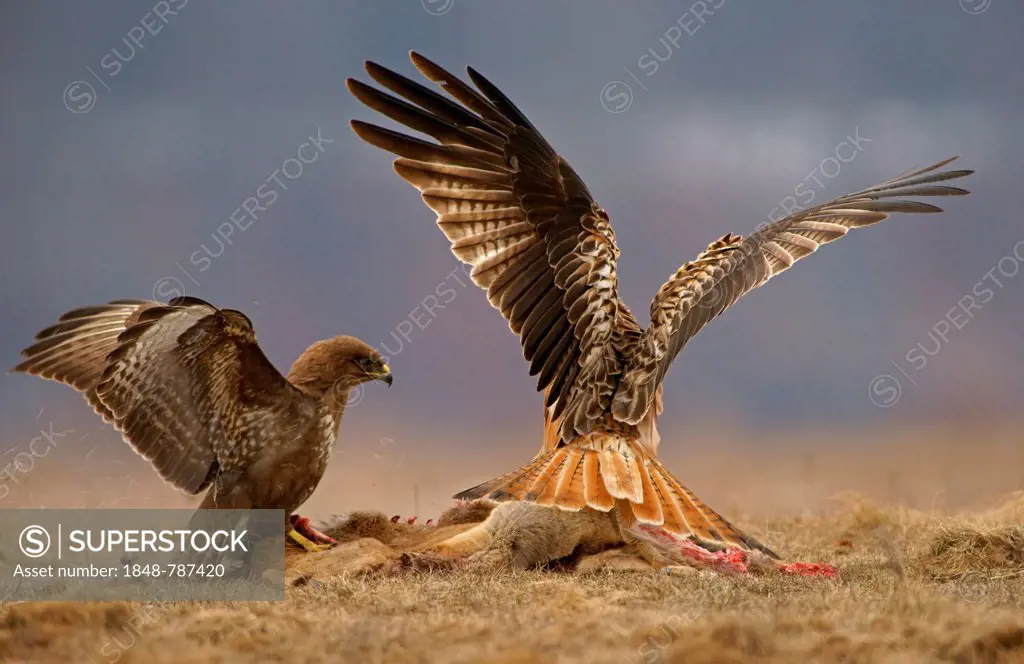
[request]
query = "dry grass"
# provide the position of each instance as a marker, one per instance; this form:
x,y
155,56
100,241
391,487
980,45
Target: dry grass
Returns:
x,y
915,587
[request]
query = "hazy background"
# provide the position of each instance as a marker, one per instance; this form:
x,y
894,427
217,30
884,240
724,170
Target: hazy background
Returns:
x,y
113,200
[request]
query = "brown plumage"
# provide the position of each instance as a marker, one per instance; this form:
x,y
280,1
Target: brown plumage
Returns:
x,y
546,254
191,391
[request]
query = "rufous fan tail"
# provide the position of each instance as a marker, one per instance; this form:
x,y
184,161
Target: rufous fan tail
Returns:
x,y
596,471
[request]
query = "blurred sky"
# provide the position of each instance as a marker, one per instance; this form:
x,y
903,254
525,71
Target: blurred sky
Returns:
x,y
114,200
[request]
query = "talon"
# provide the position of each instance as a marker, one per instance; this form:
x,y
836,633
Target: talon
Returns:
x,y
304,527
395,519
308,545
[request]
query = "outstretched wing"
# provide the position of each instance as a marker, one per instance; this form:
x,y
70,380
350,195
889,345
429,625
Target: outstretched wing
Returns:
x,y
74,350
185,383
518,213
734,265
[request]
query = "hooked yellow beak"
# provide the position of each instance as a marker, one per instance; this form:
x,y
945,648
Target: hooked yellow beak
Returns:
x,y
384,374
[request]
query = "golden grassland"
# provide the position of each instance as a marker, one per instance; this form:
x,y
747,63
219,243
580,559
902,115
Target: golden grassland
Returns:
x,y
930,550
915,587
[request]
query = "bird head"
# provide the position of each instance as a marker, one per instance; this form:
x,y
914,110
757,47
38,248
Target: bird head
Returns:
x,y
337,365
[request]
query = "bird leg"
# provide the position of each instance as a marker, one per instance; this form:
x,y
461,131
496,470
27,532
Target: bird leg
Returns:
x,y
308,545
302,532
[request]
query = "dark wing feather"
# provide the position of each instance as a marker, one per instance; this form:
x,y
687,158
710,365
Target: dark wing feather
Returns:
x,y
733,266
518,213
185,383
74,350
189,387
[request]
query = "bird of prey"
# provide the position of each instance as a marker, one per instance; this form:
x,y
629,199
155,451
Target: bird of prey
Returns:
x,y
545,252
191,391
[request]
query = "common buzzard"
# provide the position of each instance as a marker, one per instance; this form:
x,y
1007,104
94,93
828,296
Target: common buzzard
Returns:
x,y
191,391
